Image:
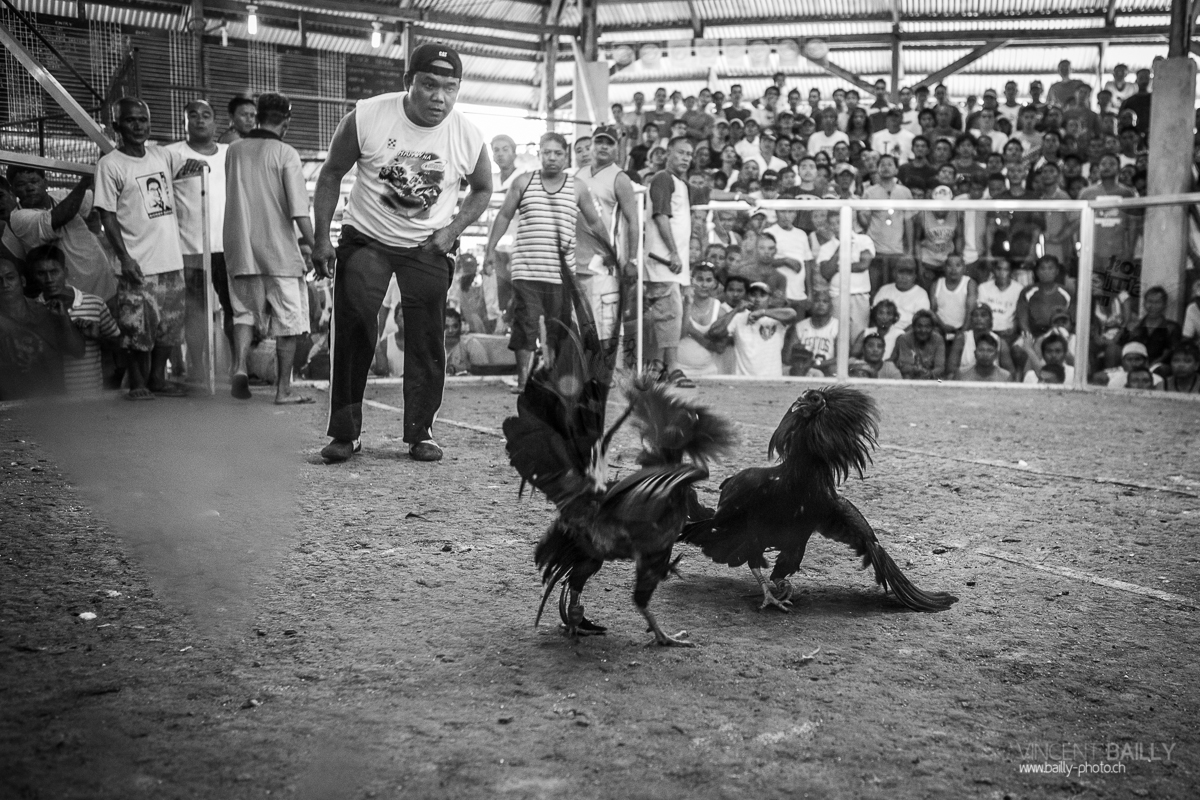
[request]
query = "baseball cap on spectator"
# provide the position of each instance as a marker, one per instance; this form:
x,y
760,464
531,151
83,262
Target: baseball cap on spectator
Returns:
x,y
942,193
762,286
736,121
770,176
435,58
843,166
1135,348
607,131
767,133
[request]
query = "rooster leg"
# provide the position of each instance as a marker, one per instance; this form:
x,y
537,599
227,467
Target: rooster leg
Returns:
x,y
785,589
678,640
570,608
769,599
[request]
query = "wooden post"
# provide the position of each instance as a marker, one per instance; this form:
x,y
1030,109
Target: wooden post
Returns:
x,y
549,57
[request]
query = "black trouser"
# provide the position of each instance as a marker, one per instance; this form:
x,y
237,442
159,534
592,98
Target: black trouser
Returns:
x,y
364,267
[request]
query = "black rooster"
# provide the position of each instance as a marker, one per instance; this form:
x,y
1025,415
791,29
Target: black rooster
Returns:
x,y
824,435
558,444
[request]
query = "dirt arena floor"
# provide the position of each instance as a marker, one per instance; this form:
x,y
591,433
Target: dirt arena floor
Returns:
x,y
267,626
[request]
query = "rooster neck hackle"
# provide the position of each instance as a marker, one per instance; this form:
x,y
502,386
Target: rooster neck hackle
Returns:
x,y
827,434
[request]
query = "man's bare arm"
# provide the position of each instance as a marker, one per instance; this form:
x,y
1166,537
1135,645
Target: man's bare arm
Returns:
x,y
343,154
68,209
475,203
504,217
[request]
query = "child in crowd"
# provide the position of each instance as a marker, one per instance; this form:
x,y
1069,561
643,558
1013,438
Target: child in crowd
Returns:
x,y
962,351
814,348
1140,378
1051,374
883,323
872,362
757,333
1185,363
699,354
1133,357
953,298
1053,351
987,348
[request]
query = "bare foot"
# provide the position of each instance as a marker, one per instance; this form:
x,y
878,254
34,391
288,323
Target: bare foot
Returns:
x,y
293,400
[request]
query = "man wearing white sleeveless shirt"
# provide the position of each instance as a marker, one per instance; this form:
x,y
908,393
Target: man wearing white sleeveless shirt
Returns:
x,y
412,150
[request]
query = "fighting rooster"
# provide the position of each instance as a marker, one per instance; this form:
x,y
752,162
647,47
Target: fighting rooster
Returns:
x,y
557,443
825,434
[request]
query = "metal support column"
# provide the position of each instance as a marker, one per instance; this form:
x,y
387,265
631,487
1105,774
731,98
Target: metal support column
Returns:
x,y
1083,297
845,262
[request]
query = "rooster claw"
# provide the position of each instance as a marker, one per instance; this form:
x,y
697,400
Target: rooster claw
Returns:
x,y
678,640
769,599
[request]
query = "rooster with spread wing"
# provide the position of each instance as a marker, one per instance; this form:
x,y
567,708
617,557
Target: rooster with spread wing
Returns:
x,y
557,443
825,434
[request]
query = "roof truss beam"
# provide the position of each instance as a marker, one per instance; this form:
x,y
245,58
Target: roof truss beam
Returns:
x,y
697,23
956,66
840,72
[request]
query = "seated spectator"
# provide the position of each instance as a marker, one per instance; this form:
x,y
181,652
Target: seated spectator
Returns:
x,y
921,352
1040,302
757,332
1140,378
813,351
1001,294
987,348
474,296
1048,374
1154,330
905,293
1053,349
962,351
1133,357
953,297
698,353
873,362
1185,363
1191,316
82,376
883,324
34,338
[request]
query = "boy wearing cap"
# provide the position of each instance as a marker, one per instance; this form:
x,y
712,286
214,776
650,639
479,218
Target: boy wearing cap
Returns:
x,y
413,150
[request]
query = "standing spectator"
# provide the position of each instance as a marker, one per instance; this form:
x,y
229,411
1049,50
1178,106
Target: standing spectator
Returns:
x,y
504,154
823,140
793,244
1040,302
266,201
1010,108
548,201
200,146
987,130
757,332
640,153
699,122
953,297
827,249
1035,98
473,296
613,192
1139,103
412,150
1120,89
243,116
136,198
1113,242
735,109
583,153
10,246
61,218
1089,120
890,230
660,115
34,338
987,349
82,376
921,351
893,139
918,167
1028,134
1063,91
937,233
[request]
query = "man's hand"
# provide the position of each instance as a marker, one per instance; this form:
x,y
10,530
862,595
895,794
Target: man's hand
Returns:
x,y
489,264
89,328
306,252
629,268
55,306
132,270
440,242
676,263
323,258
193,166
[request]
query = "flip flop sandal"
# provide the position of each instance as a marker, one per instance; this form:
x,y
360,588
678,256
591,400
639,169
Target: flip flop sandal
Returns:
x,y
140,394
171,390
680,380
295,401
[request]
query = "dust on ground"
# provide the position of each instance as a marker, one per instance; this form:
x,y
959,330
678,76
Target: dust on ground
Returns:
x,y
270,626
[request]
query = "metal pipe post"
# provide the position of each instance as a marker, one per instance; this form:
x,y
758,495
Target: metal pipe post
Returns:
x,y
845,261
1083,295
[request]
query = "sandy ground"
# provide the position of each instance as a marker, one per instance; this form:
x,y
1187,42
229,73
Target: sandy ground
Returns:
x,y
266,625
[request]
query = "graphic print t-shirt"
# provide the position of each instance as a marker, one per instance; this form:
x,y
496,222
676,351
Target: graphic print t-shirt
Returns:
x,y
408,176
140,192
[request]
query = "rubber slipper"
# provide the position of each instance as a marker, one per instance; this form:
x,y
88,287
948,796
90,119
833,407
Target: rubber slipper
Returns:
x,y
171,390
295,400
240,387
140,394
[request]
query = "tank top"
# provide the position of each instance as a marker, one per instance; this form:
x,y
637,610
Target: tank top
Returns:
x,y
694,358
603,186
408,175
952,304
546,234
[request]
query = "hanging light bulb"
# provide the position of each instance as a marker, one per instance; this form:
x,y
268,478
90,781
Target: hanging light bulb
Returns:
x,y
224,35
252,19
376,33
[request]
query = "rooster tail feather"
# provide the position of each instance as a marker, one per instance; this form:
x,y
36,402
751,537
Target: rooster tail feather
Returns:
x,y
889,576
556,555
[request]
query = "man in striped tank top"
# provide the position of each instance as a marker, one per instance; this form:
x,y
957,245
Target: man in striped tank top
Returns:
x,y
548,201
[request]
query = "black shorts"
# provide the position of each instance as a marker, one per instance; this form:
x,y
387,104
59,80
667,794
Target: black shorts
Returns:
x,y
533,300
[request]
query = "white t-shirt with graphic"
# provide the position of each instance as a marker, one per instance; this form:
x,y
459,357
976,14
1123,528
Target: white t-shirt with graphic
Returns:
x,y
140,192
408,175
822,341
757,345
187,196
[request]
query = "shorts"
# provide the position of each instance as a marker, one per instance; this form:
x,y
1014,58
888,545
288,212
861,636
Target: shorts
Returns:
x,y
286,298
663,311
166,292
533,300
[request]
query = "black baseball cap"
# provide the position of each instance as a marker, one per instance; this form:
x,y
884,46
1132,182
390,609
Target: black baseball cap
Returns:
x,y
435,58
607,131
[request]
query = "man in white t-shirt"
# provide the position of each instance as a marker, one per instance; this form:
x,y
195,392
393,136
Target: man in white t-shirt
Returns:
x,y
792,243
823,140
757,333
136,198
905,293
827,256
1002,294
201,145
412,149
1120,88
893,139
60,218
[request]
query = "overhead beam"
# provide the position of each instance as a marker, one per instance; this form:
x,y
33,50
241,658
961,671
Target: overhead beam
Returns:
x,y
48,164
840,72
475,38
965,61
1110,13
697,24
975,24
